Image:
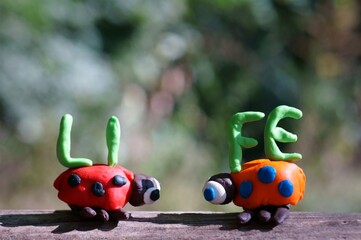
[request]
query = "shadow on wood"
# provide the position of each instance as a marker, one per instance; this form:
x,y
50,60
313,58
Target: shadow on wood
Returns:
x,y
65,221
227,221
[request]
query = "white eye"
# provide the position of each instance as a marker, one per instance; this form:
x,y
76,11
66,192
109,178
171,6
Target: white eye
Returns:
x,y
151,195
157,184
214,192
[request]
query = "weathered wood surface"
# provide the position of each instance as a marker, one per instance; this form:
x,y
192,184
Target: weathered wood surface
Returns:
x,y
176,225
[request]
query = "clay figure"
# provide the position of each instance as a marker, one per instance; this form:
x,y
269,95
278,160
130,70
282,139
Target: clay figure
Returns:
x,y
264,188
100,191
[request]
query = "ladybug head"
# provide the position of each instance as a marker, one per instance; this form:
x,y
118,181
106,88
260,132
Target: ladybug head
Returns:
x,y
219,189
145,190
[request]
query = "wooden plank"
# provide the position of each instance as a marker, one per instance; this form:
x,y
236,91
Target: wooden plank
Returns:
x,y
28,224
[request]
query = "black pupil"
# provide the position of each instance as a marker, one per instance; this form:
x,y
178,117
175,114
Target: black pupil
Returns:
x,y
119,180
74,180
155,195
146,183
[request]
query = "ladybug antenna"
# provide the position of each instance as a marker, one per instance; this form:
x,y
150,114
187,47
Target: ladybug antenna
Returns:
x,y
113,136
237,141
63,145
272,133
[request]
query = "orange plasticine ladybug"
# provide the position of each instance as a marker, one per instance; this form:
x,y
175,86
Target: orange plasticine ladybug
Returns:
x,y
100,191
264,187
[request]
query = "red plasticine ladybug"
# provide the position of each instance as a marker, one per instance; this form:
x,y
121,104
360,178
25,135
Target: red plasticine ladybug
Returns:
x,y
264,187
100,191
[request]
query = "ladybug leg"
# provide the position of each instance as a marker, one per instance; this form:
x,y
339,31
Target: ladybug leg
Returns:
x,y
281,214
264,215
86,212
96,213
102,215
75,208
246,216
118,214
274,214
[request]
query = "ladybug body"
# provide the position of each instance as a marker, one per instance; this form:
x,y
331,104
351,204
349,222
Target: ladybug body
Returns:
x,y
264,188
98,186
100,191
263,182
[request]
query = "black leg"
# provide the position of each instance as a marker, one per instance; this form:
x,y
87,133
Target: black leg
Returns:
x,y
264,215
102,215
245,216
118,214
281,214
87,212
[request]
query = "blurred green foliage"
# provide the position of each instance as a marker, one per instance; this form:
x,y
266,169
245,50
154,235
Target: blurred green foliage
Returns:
x,y
174,72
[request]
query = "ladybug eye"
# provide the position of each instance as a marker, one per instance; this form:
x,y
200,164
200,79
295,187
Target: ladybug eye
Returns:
x,y
146,183
119,180
214,192
74,180
152,192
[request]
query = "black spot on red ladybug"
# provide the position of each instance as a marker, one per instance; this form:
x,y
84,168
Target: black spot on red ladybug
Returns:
x,y
74,180
119,180
97,189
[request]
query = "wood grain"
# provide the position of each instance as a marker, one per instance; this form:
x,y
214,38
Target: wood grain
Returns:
x,y
31,224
